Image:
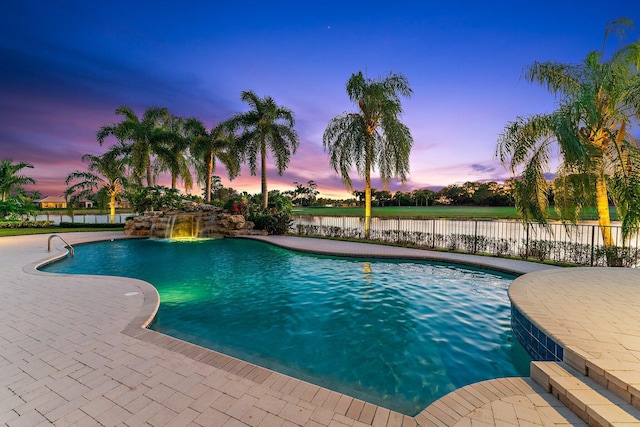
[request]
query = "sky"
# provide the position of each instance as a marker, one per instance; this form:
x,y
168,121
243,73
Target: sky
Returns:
x,y
68,65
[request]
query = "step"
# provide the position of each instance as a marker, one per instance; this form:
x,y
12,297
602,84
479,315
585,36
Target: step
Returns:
x,y
620,377
591,401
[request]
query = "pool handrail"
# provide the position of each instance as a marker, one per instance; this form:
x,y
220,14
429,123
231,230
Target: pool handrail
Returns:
x,y
71,250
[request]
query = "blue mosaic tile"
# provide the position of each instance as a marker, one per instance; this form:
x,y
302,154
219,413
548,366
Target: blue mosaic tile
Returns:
x,y
539,346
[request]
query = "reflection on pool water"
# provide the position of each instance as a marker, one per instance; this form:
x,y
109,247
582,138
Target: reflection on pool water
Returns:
x,y
399,334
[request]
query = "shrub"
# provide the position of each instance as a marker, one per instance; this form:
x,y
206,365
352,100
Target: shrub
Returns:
x,y
538,249
83,225
25,224
236,205
155,198
617,256
275,219
273,222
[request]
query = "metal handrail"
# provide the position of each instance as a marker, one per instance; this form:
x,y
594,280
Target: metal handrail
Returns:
x,y
71,250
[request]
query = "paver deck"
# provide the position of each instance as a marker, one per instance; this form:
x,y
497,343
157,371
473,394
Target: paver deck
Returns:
x,y
74,351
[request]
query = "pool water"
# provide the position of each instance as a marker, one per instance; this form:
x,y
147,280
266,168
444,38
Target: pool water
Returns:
x,y
399,334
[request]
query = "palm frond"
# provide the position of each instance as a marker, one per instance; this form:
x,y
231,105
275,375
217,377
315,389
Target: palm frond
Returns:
x,y
592,126
373,137
554,76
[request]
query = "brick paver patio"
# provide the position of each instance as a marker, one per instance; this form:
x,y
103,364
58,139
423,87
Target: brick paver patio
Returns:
x,y
74,351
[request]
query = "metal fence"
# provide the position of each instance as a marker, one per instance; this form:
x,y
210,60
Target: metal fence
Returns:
x,y
57,218
580,244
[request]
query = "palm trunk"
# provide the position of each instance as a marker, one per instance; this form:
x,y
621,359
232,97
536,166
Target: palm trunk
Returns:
x,y
149,176
173,181
604,219
112,209
265,194
209,173
602,202
367,202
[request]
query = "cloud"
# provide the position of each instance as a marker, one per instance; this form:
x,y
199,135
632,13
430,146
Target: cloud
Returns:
x,y
476,167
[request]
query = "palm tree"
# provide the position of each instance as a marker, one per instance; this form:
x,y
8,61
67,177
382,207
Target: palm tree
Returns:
x,y
372,137
266,127
599,103
171,146
141,136
106,172
207,147
10,180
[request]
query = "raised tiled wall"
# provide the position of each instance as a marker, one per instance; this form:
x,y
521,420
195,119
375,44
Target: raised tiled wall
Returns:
x,y
539,346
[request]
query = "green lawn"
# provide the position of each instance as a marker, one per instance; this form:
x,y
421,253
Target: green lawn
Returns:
x,y
458,212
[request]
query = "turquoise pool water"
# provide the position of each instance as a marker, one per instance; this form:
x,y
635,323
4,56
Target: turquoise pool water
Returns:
x,y
399,334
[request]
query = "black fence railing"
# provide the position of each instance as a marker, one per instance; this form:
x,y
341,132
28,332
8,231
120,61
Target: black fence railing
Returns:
x,y
580,244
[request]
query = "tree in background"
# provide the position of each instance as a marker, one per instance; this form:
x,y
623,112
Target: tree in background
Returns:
x,y
359,195
219,193
599,102
455,194
401,198
11,181
381,197
266,127
304,195
105,173
424,196
372,137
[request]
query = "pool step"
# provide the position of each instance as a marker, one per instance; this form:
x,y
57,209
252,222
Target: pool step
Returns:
x,y
591,401
620,377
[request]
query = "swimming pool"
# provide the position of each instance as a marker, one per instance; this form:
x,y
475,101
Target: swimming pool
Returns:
x,y
378,330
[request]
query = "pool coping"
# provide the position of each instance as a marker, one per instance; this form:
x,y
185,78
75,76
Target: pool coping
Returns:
x,y
336,408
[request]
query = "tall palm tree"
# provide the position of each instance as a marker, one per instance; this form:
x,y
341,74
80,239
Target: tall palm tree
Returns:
x,y
10,179
140,135
207,147
106,172
599,103
372,137
266,127
171,147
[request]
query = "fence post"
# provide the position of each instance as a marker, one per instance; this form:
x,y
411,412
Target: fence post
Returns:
x,y
475,236
398,233
593,239
526,244
433,233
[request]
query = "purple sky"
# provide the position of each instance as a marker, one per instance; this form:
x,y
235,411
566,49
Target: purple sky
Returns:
x,y
66,66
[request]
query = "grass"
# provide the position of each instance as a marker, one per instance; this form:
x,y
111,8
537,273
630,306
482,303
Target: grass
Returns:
x,y
49,230
454,212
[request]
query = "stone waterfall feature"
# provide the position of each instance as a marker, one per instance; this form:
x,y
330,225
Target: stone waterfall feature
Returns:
x,y
200,221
